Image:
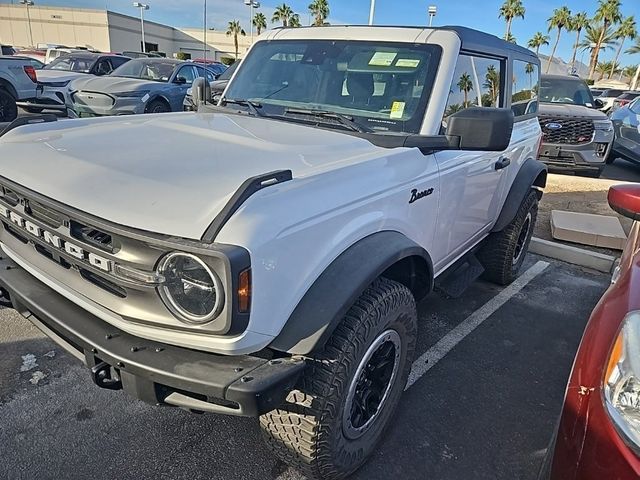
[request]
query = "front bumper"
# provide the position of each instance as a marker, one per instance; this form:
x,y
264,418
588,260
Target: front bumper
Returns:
x,y
154,372
121,106
585,158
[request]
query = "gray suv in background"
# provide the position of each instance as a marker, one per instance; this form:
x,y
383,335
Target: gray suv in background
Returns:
x,y
576,136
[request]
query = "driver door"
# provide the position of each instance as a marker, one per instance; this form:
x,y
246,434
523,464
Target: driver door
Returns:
x,y
472,183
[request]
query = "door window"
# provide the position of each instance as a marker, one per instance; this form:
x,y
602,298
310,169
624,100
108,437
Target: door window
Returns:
x,y
187,72
524,90
477,82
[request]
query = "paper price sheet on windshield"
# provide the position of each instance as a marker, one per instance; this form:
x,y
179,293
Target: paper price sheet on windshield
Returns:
x,y
397,110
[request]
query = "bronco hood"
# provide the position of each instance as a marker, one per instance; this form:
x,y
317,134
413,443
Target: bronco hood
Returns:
x,y
166,173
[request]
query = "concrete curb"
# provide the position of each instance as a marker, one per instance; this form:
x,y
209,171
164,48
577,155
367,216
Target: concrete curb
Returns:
x,y
573,255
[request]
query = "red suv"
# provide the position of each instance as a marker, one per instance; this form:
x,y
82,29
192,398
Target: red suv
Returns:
x,y
599,432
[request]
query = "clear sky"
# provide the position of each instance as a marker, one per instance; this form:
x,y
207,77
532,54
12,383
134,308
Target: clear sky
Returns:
x,y
479,14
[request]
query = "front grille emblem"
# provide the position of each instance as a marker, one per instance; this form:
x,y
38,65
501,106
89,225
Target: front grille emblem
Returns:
x,y
553,126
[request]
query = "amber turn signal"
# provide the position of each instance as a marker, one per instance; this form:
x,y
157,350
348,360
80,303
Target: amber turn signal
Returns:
x,y
244,291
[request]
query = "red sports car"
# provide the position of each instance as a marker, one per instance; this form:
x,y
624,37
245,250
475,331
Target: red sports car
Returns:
x,y
599,432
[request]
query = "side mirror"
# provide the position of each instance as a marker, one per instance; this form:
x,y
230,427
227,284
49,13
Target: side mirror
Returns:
x,y
201,90
625,199
598,103
216,98
481,129
180,80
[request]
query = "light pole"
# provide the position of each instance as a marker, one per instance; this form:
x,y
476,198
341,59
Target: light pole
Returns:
x,y
28,3
142,8
251,4
372,11
432,10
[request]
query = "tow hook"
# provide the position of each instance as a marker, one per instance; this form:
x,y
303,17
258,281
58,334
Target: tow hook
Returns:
x,y
101,375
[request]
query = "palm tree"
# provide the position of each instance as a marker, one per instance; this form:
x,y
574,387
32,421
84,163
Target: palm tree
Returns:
x,y
560,19
591,37
492,82
234,29
260,22
294,21
282,13
538,40
320,10
605,67
629,71
465,84
627,29
453,108
608,13
578,22
529,69
635,48
509,10
510,38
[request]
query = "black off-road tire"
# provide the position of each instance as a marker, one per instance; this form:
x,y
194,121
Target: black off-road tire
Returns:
x,y
157,106
503,253
308,431
8,107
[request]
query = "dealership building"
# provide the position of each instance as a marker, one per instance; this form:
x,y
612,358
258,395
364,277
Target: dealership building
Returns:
x,y
107,31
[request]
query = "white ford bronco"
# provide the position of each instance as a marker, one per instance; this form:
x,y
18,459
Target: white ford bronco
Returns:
x,y
264,257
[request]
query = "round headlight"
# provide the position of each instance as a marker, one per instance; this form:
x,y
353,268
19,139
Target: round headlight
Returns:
x,y
190,290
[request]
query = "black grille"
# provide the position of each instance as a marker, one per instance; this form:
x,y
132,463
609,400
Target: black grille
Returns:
x,y
573,131
98,239
44,214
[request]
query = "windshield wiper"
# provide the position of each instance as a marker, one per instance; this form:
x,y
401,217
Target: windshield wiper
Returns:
x,y
344,120
252,106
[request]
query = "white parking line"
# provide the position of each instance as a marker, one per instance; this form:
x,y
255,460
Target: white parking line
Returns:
x,y
431,357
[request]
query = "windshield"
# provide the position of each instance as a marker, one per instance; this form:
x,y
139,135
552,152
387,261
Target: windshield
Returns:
x,y
571,91
381,86
226,75
72,64
146,69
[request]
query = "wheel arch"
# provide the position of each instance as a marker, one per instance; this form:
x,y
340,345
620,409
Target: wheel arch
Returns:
x,y
158,97
6,85
388,253
532,174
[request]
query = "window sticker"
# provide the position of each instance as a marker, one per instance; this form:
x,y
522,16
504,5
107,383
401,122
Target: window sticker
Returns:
x,y
397,110
382,59
407,62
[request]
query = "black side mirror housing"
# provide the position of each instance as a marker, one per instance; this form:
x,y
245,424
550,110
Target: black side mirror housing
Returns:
x,y
481,129
180,80
598,103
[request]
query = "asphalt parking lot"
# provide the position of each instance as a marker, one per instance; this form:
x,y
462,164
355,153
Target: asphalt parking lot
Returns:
x,y
489,384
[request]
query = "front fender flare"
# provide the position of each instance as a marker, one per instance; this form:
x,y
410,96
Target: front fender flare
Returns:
x,y
332,294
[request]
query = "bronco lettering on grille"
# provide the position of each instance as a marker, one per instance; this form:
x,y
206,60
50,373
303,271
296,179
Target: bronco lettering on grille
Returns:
x,y
55,241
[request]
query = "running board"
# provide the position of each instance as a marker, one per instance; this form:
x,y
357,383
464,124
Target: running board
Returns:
x,y
456,281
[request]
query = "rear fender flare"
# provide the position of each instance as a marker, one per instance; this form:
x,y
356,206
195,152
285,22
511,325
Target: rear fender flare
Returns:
x,y
532,174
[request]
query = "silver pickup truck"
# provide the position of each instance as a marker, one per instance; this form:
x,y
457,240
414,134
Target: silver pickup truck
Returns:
x,y
17,82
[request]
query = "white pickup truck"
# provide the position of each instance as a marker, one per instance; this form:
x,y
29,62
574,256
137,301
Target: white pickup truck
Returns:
x,y
264,257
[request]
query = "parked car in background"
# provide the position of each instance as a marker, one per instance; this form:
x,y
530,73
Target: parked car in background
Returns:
x,y
216,67
54,53
7,50
133,54
599,431
217,88
626,124
53,80
576,136
625,99
17,82
143,85
37,54
607,97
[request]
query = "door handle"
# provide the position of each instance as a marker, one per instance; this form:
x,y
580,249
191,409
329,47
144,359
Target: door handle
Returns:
x,y
504,162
